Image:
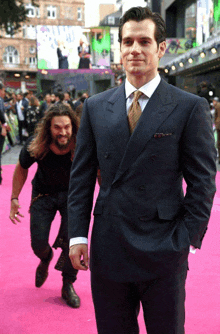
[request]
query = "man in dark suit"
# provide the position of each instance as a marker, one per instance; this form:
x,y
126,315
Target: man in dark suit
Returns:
x,y
21,115
143,224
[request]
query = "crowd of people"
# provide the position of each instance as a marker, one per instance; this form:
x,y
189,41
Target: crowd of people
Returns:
x,y
143,137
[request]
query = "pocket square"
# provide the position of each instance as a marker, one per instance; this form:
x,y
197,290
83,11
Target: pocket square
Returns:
x,y
160,135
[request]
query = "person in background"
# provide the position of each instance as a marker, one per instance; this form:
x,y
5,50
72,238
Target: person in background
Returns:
x,y
32,115
79,108
53,98
84,53
145,136
45,104
78,101
21,117
67,99
62,54
216,105
13,102
4,127
52,148
25,102
59,97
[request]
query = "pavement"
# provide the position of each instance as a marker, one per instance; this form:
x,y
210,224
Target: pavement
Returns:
x,y
11,156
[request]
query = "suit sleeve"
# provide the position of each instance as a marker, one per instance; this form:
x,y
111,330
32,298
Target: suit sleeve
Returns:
x,y
82,179
198,160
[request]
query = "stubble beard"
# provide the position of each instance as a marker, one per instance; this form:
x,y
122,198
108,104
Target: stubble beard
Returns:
x,y
61,146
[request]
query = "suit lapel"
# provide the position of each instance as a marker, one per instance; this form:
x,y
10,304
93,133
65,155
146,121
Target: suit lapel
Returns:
x,y
119,125
157,110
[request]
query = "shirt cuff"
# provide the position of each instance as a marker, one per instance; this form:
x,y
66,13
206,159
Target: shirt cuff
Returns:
x,y
79,240
192,249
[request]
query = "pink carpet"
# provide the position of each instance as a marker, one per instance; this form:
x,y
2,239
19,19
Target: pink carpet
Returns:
x,y
29,310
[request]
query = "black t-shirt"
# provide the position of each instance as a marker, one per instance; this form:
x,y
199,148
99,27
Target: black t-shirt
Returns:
x,y
53,170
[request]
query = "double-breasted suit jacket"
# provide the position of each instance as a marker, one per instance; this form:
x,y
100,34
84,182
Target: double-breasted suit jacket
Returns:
x,y
143,222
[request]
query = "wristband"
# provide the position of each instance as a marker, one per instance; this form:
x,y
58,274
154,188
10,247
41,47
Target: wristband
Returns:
x,y
14,198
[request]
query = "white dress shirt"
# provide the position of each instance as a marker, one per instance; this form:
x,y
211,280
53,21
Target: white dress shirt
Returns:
x,y
19,111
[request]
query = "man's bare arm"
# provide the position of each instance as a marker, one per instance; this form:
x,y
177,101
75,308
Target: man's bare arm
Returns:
x,y
19,178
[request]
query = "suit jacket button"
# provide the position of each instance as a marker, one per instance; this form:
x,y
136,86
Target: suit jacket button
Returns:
x,y
106,156
142,187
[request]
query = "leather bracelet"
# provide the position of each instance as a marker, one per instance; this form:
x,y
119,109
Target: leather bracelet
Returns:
x,y
14,198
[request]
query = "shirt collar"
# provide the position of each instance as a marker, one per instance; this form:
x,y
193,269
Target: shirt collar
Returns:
x,y
147,89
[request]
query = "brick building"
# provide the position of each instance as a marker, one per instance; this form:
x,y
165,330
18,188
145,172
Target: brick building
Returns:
x,y
18,52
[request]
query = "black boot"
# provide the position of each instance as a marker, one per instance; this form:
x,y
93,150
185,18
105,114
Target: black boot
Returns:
x,y
42,271
69,294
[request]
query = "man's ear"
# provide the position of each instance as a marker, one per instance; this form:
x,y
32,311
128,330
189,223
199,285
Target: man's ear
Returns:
x,y
162,49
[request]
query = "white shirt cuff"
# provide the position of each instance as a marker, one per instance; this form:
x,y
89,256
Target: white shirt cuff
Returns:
x,y
192,250
79,240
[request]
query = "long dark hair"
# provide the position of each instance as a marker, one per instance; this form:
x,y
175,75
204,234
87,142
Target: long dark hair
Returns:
x,y
40,144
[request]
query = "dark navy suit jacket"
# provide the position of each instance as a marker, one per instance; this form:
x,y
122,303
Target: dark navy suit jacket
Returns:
x,y
143,222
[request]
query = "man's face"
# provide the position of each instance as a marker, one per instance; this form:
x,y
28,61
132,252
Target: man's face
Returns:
x,y
214,103
66,97
19,97
2,93
48,98
52,97
61,131
139,50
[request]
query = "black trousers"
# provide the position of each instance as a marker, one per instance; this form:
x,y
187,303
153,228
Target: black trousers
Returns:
x,y
21,125
43,211
2,140
117,304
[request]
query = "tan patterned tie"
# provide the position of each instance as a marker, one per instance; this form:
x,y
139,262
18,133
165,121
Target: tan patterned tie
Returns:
x,y
135,111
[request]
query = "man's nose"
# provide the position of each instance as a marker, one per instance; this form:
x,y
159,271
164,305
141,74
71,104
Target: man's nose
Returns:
x,y
63,132
136,48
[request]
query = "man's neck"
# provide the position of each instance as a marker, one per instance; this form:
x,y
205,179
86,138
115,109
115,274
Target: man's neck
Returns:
x,y
140,80
58,151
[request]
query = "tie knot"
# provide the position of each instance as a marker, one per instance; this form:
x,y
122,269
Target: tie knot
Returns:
x,y
137,95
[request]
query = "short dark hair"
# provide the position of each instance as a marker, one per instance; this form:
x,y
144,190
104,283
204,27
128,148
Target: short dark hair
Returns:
x,y
79,94
142,13
1,85
60,95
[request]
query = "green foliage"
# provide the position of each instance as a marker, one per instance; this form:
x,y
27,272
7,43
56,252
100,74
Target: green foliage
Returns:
x,y
12,14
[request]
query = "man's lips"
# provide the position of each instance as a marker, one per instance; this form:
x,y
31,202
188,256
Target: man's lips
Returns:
x,y
135,60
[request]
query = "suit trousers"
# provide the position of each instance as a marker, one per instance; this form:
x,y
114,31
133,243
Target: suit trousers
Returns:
x,y
43,212
2,140
117,304
21,126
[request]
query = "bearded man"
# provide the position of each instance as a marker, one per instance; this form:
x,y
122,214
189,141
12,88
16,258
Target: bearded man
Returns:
x,y
52,148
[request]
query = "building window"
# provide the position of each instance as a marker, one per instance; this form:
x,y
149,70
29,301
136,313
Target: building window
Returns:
x,y
11,55
32,60
32,49
31,10
111,20
31,32
24,29
51,12
112,38
111,56
37,11
10,32
79,14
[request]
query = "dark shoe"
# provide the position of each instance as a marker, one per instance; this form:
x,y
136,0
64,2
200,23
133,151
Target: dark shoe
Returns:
x,y
42,271
69,294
